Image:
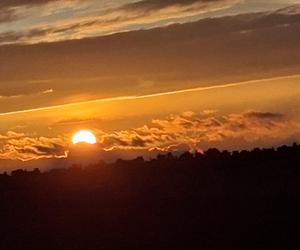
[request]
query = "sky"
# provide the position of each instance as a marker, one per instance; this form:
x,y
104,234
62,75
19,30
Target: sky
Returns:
x,y
146,77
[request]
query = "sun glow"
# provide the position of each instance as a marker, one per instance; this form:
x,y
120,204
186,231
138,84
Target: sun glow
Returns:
x,y
84,136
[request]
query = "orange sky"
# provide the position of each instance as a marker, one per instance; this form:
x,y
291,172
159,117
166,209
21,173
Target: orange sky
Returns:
x,y
226,81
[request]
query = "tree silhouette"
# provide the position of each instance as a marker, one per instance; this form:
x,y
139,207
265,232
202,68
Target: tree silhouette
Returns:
x,y
209,200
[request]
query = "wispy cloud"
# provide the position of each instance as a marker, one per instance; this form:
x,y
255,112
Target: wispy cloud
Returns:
x,y
15,94
94,18
15,10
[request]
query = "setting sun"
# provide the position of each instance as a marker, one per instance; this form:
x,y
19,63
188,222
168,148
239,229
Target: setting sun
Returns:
x,y
149,124
84,136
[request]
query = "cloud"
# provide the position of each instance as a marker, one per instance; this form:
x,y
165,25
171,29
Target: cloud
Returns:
x,y
102,21
263,115
9,8
16,3
76,121
18,146
177,57
48,91
30,10
7,15
26,88
149,7
193,130
180,132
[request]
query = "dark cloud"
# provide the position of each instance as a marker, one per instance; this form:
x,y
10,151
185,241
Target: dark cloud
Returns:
x,y
7,16
146,6
16,3
263,115
7,37
77,121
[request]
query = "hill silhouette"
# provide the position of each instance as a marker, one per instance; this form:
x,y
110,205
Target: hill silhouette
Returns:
x,y
214,200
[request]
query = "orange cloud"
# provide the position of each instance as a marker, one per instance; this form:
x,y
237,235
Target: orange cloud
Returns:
x,y
192,130
186,131
18,146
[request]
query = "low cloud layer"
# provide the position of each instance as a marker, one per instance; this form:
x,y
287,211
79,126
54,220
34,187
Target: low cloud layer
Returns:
x,y
186,131
192,130
18,146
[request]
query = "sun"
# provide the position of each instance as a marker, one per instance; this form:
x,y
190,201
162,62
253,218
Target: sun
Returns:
x,y
84,136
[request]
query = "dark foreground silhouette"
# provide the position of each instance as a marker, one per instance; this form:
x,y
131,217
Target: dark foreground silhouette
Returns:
x,y
215,200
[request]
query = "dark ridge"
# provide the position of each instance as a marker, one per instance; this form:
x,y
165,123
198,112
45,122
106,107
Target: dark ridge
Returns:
x,y
214,200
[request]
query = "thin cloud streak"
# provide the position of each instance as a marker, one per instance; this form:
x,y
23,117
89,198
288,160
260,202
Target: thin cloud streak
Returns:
x,y
127,98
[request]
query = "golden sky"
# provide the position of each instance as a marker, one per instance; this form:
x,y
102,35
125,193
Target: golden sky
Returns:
x,y
147,76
